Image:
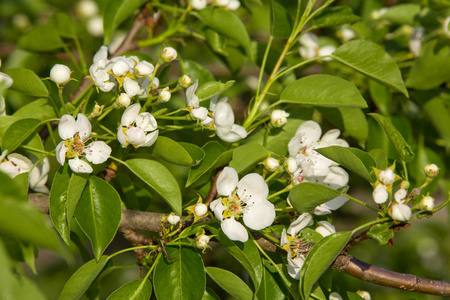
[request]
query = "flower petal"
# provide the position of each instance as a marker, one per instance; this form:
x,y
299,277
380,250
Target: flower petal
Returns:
x,y
223,115
200,113
66,127
83,127
121,137
130,114
234,230
150,138
230,135
302,221
325,228
135,136
252,187
60,152
191,98
310,132
98,152
295,266
260,215
217,207
79,166
227,181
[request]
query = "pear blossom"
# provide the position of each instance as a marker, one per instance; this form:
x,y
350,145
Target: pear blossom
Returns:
x,y
201,209
202,241
292,242
14,164
164,95
446,26
98,71
75,135
123,100
400,195
60,74
185,81
131,87
173,219
5,82
415,41
278,117
38,177
427,203
198,4
246,198
193,102
224,126
310,49
387,177
168,54
137,129
336,178
86,8
334,296
346,34
400,212
364,294
380,194
431,170
233,4
291,164
325,228
95,26
144,68
120,67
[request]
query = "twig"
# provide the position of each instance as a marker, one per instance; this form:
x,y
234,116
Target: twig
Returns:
x,y
212,193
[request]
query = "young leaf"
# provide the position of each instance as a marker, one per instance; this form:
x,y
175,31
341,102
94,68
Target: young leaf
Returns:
x,y
196,153
247,156
63,25
354,296
403,149
139,289
115,13
80,281
280,21
216,41
74,191
270,288
335,16
156,176
58,202
230,283
212,88
196,71
98,213
41,109
353,159
171,151
371,60
41,39
27,82
18,132
320,258
181,278
381,233
323,90
380,158
305,196
402,13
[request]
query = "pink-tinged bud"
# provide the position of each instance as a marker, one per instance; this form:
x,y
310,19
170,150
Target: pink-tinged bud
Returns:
x,y
168,54
185,81
431,170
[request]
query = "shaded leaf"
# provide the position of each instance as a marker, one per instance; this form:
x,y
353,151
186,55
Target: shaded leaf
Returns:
x,y
139,289
41,39
305,196
230,283
381,233
280,21
212,88
247,156
18,132
335,16
27,82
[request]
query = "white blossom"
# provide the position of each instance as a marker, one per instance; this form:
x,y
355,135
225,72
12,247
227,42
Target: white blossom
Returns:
x,y
325,228
224,126
14,164
131,87
173,219
144,68
164,95
60,74
198,4
386,177
233,4
120,67
95,26
200,209
137,129
185,81
415,40
38,177
400,195
291,164
401,212
334,296
431,170
310,49
427,203
86,8
364,294
246,198
168,54
380,194
278,117
202,241
123,100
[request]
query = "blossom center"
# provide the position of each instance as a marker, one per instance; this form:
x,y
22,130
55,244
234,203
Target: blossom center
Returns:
x,y
75,146
296,244
234,206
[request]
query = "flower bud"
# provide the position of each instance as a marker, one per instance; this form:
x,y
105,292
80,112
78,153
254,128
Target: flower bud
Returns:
x,y
173,219
400,212
400,195
185,81
427,203
291,164
95,26
168,54
120,68
123,100
144,68
364,294
223,3
386,177
202,241
201,210
233,5
164,95
431,170
334,296
278,117
198,4
86,8
60,74
272,164
380,194
97,111
405,185
325,228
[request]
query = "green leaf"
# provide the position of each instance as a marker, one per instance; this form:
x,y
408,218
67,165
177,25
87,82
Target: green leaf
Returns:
x,y
230,283
213,154
351,120
18,132
429,69
116,12
212,88
354,296
380,158
196,71
23,221
402,13
181,278
227,24
196,153
27,82
41,109
323,90
171,151
247,156
335,16
98,213
381,233
139,289
269,288
403,149
280,21
63,25
217,42
305,196
247,254
156,176
381,96
320,258
41,39
74,191
58,202
13,188
371,60
80,281
353,159
439,116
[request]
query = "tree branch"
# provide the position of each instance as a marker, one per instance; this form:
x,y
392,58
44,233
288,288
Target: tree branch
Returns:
x,y
139,220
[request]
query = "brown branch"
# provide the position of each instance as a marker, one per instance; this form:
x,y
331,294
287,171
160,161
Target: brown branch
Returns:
x,y
212,193
139,220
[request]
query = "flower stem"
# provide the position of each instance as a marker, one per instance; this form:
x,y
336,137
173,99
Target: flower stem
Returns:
x,y
133,248
362,227
263,65
286,189
360,202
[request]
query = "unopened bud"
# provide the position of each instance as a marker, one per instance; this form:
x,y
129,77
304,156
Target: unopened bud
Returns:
x,y
60,74
431,170
86,8
123,100
272,164
198,4
185,81
278,117
400,212
291,165
164,95
144,68
334,296
120,68
97,111
405,185
201,210
364,294
380,194
168,54
400,195
202,241
234,4
173,219
427,203
386,177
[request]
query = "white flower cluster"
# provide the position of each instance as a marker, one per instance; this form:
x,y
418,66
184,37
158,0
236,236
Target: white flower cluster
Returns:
x,y
306,164
137,129
75,135
246,198
309,47
121,72
220,116
293,242
227,4
14,164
